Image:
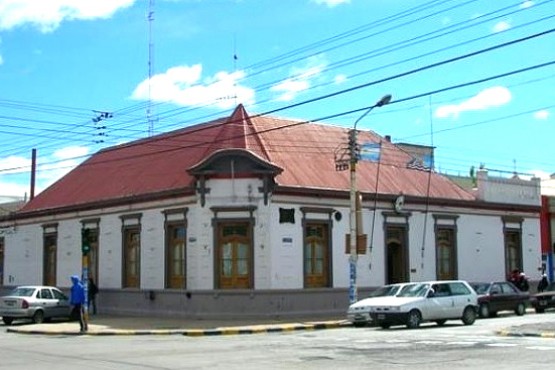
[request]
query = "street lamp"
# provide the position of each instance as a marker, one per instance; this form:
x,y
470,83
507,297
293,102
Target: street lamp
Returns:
x,y
353,194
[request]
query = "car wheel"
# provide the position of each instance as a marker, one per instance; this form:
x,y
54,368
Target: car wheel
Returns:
x,y
384,326
469,316
484,310
7,320
38,317
441,322
414,319
540,310
520,309
359,324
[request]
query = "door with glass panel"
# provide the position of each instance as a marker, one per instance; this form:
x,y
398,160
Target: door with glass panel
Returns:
x,y
132,252
316,255
176,256
234,256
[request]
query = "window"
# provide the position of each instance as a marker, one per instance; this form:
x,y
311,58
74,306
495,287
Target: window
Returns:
x,y
176,255
45,294
286,215
93,254
446,256
49,257
459,289
131,256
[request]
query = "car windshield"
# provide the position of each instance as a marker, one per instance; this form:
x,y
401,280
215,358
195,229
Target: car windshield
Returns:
x,y
384,291
417,290
22,292
480,288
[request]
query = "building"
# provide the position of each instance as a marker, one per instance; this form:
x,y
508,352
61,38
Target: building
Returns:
x,y
248,216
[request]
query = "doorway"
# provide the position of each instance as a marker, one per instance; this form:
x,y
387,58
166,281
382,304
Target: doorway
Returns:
x,y
396,255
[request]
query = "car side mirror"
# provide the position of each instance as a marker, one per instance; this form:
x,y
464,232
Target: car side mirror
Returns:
x,y
431,294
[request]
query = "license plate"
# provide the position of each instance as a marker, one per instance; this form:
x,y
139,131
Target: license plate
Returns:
x,y
543,303
381,316
9,303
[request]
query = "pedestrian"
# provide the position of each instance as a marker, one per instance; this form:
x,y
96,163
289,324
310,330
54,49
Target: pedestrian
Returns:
x,y
514,276
542,285
522,282
93,291
77,300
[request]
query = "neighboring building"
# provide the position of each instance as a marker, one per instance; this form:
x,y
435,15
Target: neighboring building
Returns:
x,y
8,207
548,226
248,216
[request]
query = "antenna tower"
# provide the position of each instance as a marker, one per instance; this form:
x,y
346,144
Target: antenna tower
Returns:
x,y
150,66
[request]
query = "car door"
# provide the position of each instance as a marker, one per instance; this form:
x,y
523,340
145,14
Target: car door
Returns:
x,y
511,297
45,299
61,303
497,297
463,296
439,304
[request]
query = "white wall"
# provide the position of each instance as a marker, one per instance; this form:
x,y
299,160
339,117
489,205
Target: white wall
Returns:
x,y
23,256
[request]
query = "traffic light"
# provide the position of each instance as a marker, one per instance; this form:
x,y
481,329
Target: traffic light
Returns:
x,y
85,241
353,144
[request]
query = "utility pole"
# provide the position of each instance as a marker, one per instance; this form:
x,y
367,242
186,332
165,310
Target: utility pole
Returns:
x,y
353,239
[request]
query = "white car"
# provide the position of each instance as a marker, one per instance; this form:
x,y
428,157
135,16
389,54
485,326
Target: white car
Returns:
x,y
359,313
436,301
38,303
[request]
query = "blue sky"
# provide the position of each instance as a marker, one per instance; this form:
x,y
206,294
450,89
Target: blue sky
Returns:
x,y
473,78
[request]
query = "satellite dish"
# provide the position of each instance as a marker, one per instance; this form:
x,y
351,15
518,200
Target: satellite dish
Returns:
x,y
399,203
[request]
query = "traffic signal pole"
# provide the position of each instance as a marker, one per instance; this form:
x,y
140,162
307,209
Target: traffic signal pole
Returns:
x,y
85,249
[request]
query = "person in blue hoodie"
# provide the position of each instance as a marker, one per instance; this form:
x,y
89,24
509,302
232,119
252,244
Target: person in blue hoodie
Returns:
x,y
77,300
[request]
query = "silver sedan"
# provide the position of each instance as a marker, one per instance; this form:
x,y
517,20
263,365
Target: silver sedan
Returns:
x,y
38,303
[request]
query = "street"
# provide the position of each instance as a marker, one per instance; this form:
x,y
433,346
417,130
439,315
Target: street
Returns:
x,y
430,347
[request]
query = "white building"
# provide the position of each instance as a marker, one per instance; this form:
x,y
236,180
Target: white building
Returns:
x,y
248,216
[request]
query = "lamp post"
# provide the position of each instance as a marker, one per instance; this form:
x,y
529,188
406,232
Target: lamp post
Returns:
x,y
353,258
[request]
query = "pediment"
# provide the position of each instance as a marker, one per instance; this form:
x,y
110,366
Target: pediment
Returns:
x,y
234,162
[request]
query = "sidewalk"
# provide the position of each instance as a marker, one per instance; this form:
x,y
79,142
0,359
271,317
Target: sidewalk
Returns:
x,y
141,325
128,325
544,330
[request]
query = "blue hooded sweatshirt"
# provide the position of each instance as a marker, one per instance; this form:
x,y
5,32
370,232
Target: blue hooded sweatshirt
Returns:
x,y
77,295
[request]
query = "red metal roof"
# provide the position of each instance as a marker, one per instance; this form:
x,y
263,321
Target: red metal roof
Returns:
x,y
305,151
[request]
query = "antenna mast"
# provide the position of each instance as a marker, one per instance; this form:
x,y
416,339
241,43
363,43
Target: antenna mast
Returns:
x,y
150,66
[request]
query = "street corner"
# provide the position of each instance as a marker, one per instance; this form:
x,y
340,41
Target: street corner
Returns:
x,y
267,328
520,332
104,330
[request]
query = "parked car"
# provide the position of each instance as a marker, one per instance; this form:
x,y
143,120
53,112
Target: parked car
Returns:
x,y
358,313
544,300
500,296
436,301
38,303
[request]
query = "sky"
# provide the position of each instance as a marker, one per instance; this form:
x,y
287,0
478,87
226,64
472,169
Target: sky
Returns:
x,y
475,79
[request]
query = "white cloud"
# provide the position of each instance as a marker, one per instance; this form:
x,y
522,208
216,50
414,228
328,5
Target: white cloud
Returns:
x,y
183,85
542,114
526,4
300,79
501,26
15,171
491,97
46,15
331,3
339,79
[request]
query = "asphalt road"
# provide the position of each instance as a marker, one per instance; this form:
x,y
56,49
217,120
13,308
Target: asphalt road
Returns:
x,y
453,346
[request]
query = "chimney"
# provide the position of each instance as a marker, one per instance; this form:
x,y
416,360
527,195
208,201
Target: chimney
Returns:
x,y
388,138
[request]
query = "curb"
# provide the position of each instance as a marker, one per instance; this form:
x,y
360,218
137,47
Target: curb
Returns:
x,y
540,334
258,329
